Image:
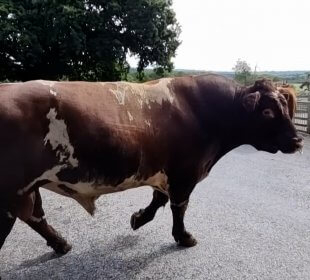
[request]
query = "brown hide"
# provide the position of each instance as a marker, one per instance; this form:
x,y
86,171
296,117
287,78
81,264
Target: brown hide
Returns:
x,y
290,94
83,140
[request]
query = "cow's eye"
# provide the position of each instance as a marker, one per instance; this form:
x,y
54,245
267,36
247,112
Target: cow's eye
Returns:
x,y
268,113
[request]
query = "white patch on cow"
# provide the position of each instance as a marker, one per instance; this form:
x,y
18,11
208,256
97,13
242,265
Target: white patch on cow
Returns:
x,y
53,92
83,193
48,174
155,92
91,189
140,101
148,123
119,93
145,94
58,136
86,193
159,181
10,215
50,84
159,92
130,116
86,189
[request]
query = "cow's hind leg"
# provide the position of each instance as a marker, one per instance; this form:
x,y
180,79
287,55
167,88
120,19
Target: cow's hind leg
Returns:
x,y
38,223
179,198
6,224
146,215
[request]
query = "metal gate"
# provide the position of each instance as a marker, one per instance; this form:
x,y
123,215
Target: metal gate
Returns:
x,y
302,115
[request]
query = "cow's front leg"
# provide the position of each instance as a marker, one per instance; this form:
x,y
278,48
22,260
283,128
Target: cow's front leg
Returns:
x,y
146,215
38,223
6,224
179,198
181,236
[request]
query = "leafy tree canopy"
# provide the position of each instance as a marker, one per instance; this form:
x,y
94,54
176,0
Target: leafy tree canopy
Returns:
x,y
242,71
84,39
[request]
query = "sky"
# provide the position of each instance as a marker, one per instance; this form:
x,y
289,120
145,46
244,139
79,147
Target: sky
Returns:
x,y
269,34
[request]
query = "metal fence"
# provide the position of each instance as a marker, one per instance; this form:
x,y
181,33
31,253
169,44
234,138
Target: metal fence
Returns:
x,y
302,115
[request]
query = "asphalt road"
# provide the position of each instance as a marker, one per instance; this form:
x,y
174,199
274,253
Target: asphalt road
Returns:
x,y
251,217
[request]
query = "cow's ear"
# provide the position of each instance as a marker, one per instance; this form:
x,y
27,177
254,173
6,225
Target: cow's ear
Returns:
x,y
263,85
285,94
250,100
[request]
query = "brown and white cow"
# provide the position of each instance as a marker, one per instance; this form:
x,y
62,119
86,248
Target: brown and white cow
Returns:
x,y
82,140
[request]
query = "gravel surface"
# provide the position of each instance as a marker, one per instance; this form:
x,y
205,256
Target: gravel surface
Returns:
x,y
251,217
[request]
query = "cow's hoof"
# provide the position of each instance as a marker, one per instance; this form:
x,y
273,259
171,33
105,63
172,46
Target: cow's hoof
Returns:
x,y
187,240
137,220
60,248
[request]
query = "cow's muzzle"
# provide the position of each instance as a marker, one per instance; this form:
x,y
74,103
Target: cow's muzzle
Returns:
x,y
299,143
294,145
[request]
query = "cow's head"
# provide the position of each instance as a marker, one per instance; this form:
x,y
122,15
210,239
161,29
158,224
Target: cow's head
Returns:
x,y
268,118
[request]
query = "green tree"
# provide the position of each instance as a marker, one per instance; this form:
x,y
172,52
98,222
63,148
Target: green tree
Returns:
x,y
242,71
84,39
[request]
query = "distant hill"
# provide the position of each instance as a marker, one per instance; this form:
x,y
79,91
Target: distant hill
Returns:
x,y
292,77
289,76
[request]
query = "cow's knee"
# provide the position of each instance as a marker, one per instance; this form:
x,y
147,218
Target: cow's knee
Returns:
x,y
143,216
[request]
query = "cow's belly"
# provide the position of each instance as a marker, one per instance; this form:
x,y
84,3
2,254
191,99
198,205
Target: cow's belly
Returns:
x,y
86,193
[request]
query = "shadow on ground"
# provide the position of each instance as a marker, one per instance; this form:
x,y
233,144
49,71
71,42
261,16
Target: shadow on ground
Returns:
x,y
118,263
